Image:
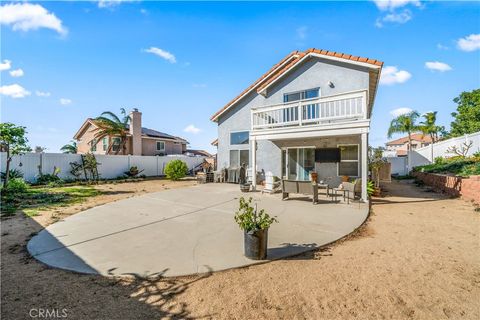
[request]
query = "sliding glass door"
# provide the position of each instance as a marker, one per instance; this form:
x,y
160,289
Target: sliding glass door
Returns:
x,y
298,162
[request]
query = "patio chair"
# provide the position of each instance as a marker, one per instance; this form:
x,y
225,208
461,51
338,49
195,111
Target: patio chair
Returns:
x,y
349,190
299,187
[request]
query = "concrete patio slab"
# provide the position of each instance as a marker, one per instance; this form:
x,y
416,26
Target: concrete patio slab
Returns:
x,y
186,231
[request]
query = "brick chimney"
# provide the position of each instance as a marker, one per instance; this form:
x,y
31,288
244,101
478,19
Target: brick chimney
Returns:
x,y
136,131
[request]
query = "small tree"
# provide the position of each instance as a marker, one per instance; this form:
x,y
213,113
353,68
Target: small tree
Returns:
x,y
13,142
176,169
467,117
375,162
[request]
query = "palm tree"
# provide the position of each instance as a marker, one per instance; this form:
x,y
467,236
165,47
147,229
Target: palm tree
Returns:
x,y
111,125
430,127
405,123
70,148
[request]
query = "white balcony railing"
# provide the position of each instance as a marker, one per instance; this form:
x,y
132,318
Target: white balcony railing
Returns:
x,y
311,112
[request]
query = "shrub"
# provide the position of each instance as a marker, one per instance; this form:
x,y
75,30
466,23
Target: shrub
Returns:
x,y
133,172
176,169
51,180
16,185
13,174
248,219
439,160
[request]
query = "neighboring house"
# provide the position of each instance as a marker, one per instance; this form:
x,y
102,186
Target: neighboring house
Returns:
x,y
399,147
310,112
141,141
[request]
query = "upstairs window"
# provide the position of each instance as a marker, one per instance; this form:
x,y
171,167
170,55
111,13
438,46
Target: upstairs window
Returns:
x,y
93,145
105,143
301,95
116,144
239,137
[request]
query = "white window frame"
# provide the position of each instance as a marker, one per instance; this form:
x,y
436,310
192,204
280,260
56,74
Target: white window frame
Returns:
x,y
358,158
301,91
105,146
156,145
241,144
118,145
93,145
239,157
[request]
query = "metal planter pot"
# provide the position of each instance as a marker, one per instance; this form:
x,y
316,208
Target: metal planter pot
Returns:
x,y
255,244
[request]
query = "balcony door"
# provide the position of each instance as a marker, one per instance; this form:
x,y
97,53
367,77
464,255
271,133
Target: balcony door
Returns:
x,y
298,162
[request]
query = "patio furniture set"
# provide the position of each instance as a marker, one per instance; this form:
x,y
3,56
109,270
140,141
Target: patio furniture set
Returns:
x,y
347,190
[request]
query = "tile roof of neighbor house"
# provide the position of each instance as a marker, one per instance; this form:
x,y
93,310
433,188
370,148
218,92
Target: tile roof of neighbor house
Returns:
x,y
199,153
145,132
285,64
415,136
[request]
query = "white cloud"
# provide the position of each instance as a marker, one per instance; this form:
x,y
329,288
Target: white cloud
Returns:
x,y
42,94
199,85
14,91
302,32
442,47
5,65
391,75
401,18
17,73
469,43
27,16
111,3
395,4
399,111
162,54
192,129
65,101
437,66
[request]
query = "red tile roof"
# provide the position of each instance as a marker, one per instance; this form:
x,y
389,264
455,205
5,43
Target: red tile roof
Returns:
x,y
275,72
425,138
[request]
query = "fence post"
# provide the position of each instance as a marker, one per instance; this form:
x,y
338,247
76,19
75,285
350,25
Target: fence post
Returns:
x,y
431,152
128,166
158,174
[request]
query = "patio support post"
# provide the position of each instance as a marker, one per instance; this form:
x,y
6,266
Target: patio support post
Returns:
x,y
364,159
254,162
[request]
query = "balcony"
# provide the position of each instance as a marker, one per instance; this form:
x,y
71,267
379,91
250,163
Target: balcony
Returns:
x,y
312,112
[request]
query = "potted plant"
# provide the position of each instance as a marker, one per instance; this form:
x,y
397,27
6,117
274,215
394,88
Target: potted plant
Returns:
x,y
255,227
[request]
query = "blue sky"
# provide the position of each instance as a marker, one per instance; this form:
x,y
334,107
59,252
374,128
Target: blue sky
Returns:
x,y
63,62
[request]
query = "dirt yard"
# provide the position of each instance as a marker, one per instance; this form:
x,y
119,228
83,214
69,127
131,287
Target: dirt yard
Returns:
x,y
418,257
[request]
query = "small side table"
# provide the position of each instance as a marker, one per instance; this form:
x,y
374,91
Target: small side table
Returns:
x,y
346,194
324,186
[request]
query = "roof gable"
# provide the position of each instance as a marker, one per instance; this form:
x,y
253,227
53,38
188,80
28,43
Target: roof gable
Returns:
x,y
296,58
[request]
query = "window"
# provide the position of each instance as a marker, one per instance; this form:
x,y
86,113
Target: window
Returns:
x,y
239,157
105,144
239,137
301,95
160,146
348,165
116,144
93,145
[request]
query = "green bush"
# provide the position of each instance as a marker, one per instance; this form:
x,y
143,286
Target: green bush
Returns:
x,y
176,169
16,185
12,174
460,166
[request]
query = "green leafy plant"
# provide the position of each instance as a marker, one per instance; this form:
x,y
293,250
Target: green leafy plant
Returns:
x,y
110,125
370,188
70,148
15,186
13,141
176,169
133,172
50,179
13,174
249,219
460,166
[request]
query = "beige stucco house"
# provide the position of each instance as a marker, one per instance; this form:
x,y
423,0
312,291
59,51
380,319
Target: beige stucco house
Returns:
x,y
141,141
400,146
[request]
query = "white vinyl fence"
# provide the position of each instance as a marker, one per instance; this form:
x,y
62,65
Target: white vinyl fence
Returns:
x,y
427,155
440,149
109,167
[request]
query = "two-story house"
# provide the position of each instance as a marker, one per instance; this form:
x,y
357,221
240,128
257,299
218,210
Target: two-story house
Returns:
x,y
399,147
140,140
310,112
